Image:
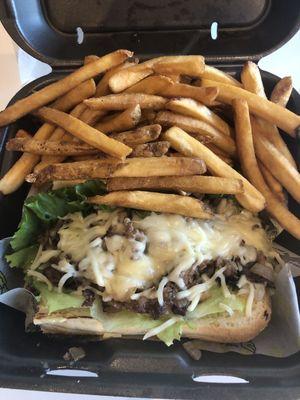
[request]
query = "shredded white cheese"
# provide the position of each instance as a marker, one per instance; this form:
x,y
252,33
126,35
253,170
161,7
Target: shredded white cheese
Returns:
x,y
161,328
40,277
160,291
227,308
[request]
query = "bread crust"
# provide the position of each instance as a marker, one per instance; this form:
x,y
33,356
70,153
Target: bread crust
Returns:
x,y
223,329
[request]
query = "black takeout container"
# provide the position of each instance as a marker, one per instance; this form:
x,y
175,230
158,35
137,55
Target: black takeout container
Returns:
x,y
48,30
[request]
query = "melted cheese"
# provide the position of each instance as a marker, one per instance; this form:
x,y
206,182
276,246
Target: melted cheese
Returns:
x,y
169,245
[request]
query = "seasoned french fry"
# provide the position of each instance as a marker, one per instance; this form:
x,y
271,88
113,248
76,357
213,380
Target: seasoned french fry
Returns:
x,y
187,65
272,182
192,108
148,116
224,156
153,84
128,119
142,135
275,114
282,91
249,165
108,168
63,184
181,141
252,81
14,178
285,173
219,76
48,147
154,149
205,95
192,184
159,202
192,125
123,101
85,132
59,88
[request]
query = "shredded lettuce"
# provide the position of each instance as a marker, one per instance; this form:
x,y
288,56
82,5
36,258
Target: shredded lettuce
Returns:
x,y
55,301
172,333
41,211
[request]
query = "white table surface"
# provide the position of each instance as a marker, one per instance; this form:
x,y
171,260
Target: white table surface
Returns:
x,y
18,68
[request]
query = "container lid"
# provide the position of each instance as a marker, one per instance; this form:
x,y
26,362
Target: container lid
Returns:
x,y
61,33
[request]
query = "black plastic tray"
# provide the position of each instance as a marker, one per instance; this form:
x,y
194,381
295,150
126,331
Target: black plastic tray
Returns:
x,y
133,367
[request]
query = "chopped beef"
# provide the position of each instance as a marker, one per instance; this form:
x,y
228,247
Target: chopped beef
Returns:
x,y
89,297
54,277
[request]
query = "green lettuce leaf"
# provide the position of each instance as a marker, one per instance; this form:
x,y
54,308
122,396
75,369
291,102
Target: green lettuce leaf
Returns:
x,y
41,211
172,333
55,301
23,257
212,305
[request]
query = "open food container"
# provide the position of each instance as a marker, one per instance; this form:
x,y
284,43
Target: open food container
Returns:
x,y
61,34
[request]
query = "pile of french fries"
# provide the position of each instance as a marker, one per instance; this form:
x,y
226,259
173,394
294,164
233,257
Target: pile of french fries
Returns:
x,y
160,133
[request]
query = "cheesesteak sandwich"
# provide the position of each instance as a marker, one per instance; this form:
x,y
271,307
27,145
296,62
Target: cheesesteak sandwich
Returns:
x,y
113,271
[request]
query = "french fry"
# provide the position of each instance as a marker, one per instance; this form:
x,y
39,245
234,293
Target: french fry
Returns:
x,y
41,147
85,132
205,95
272,182
126,120
282,91
62,184
192,184
108,168
159,202
90,58
217,75
187,65
181,141
142,135
153,84
123,101
124,79
148,116
154,149
249,165
252,81
91,157
192,108
221,154
192,125
273,113
285,173
61,87
15,176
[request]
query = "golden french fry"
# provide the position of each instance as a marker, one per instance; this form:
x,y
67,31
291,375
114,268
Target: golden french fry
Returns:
x,y
91,157
224,156
181,141
205,95
282,91
124,79
187,65
90,58
192,184
153,84
284,172
272,182
108,168
197,127
159,202
217,75
61,87
60,134
126,120
142,135
148,116
123,101
275,114
249,165
48,147
192,108
63,184
15,176
252,81
85,132
154,149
